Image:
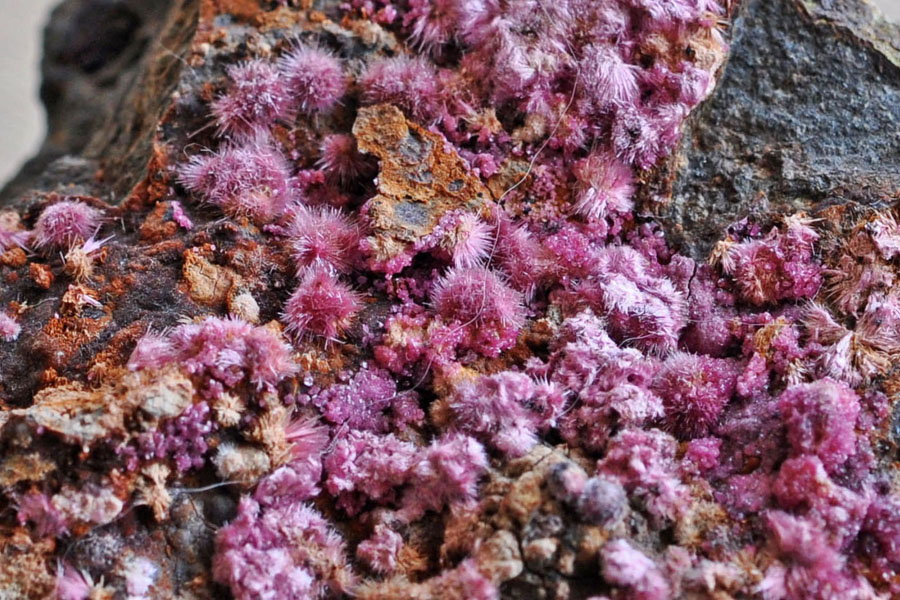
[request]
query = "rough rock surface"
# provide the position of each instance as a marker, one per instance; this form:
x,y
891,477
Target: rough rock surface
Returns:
x,y
455,299
793,125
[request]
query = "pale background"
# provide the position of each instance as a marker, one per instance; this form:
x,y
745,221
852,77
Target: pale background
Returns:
x,y
21,115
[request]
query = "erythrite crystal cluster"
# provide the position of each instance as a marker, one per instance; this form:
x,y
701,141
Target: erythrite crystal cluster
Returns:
x,y
392,317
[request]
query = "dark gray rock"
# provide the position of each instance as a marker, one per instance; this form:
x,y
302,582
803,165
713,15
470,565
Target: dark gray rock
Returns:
x,y
108,69
806,114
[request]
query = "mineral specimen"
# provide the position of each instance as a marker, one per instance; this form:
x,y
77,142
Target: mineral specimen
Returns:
x,y
455,299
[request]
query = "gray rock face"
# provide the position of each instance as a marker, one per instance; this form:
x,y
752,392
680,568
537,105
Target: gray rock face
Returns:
x,y
807,113
104,88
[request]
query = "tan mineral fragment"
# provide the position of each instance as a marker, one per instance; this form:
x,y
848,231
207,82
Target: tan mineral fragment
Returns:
x,y
84,415
421,179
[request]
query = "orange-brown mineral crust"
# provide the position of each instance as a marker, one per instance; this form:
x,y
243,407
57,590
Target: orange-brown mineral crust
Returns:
x,y
421,178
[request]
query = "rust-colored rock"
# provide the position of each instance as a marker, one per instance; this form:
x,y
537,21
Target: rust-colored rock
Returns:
x,y
41,275
420,180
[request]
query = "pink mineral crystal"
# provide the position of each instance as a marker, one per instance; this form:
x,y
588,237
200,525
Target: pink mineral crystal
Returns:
x,y
883,524
180,216
820,418
322,305
644,463
627,566
410,83
284,552
777,267
72,584
369,401
367,464
497,408
65,223
470,240
813,568
36,508
522,259
322,236
294,482
611,384
228,350
694,390
433,23
380,550
182,439
342,161
803,485
607,78
606,186
256,98
478,301
9,328
447,472
250,180
313,78
642,308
